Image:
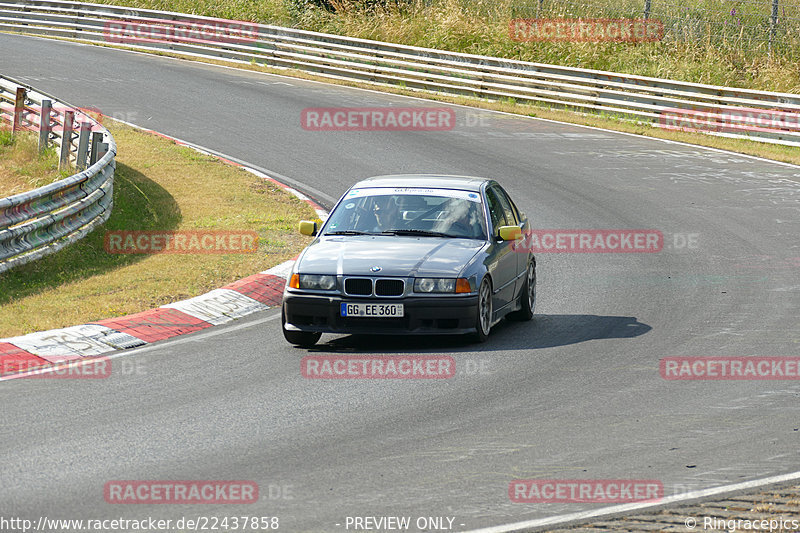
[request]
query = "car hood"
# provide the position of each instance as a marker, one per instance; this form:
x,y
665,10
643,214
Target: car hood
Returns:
x,y
395,255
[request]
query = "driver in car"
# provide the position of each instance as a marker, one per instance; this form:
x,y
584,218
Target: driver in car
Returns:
x,y
387,214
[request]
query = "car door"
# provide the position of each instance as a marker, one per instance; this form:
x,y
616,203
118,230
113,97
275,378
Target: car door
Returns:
x,y
502,260
513,218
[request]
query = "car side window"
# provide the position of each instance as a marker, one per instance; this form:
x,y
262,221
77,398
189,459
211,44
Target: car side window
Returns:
x,y
496,211
505,202
514,207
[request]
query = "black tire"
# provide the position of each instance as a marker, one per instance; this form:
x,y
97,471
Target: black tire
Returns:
x,y
483,320
304,339
527,297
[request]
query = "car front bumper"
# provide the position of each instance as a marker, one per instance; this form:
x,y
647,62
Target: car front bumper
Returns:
x,y
422,315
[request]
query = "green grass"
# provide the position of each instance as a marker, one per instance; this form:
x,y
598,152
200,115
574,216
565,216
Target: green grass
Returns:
x,y
720,42
22,167
158,186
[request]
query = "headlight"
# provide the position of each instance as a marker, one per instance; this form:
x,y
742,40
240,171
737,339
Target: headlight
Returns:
x,y
316,282
434,285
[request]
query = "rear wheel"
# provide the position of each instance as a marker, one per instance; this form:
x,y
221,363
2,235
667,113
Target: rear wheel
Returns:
x,y
527,298
303,339
483,322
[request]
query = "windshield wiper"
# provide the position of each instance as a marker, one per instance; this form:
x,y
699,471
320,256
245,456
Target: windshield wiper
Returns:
x,y
348,232
420,232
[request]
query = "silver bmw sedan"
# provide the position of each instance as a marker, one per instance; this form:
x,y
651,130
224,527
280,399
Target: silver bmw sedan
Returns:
x,y
412,254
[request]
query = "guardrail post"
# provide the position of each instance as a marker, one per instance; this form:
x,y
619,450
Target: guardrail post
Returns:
x,y
19,110
44,124
97,140
66,139
647,9
83,146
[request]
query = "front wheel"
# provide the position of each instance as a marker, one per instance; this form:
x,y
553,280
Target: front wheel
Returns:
x,y
483,322
527,298
304,339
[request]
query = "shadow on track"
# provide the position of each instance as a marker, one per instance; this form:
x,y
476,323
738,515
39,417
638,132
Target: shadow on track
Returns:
x,y
545,331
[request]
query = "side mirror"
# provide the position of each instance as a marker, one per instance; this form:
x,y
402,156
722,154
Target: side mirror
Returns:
x,y
307,227
509,233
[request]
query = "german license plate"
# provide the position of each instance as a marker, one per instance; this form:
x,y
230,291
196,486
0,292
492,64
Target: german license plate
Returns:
x,y
372,310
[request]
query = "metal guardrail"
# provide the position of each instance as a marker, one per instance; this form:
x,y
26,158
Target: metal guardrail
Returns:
x,y
47,219
739,113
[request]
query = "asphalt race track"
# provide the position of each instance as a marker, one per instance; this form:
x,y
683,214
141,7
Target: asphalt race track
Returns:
x,y
575,394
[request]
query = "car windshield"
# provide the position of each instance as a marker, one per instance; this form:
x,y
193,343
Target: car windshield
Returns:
x,y
409,212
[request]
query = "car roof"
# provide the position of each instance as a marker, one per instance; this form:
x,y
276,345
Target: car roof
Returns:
x,y
428,181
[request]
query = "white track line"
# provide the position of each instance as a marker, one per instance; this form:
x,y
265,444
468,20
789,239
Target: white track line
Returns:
x,y
179,339
626,508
